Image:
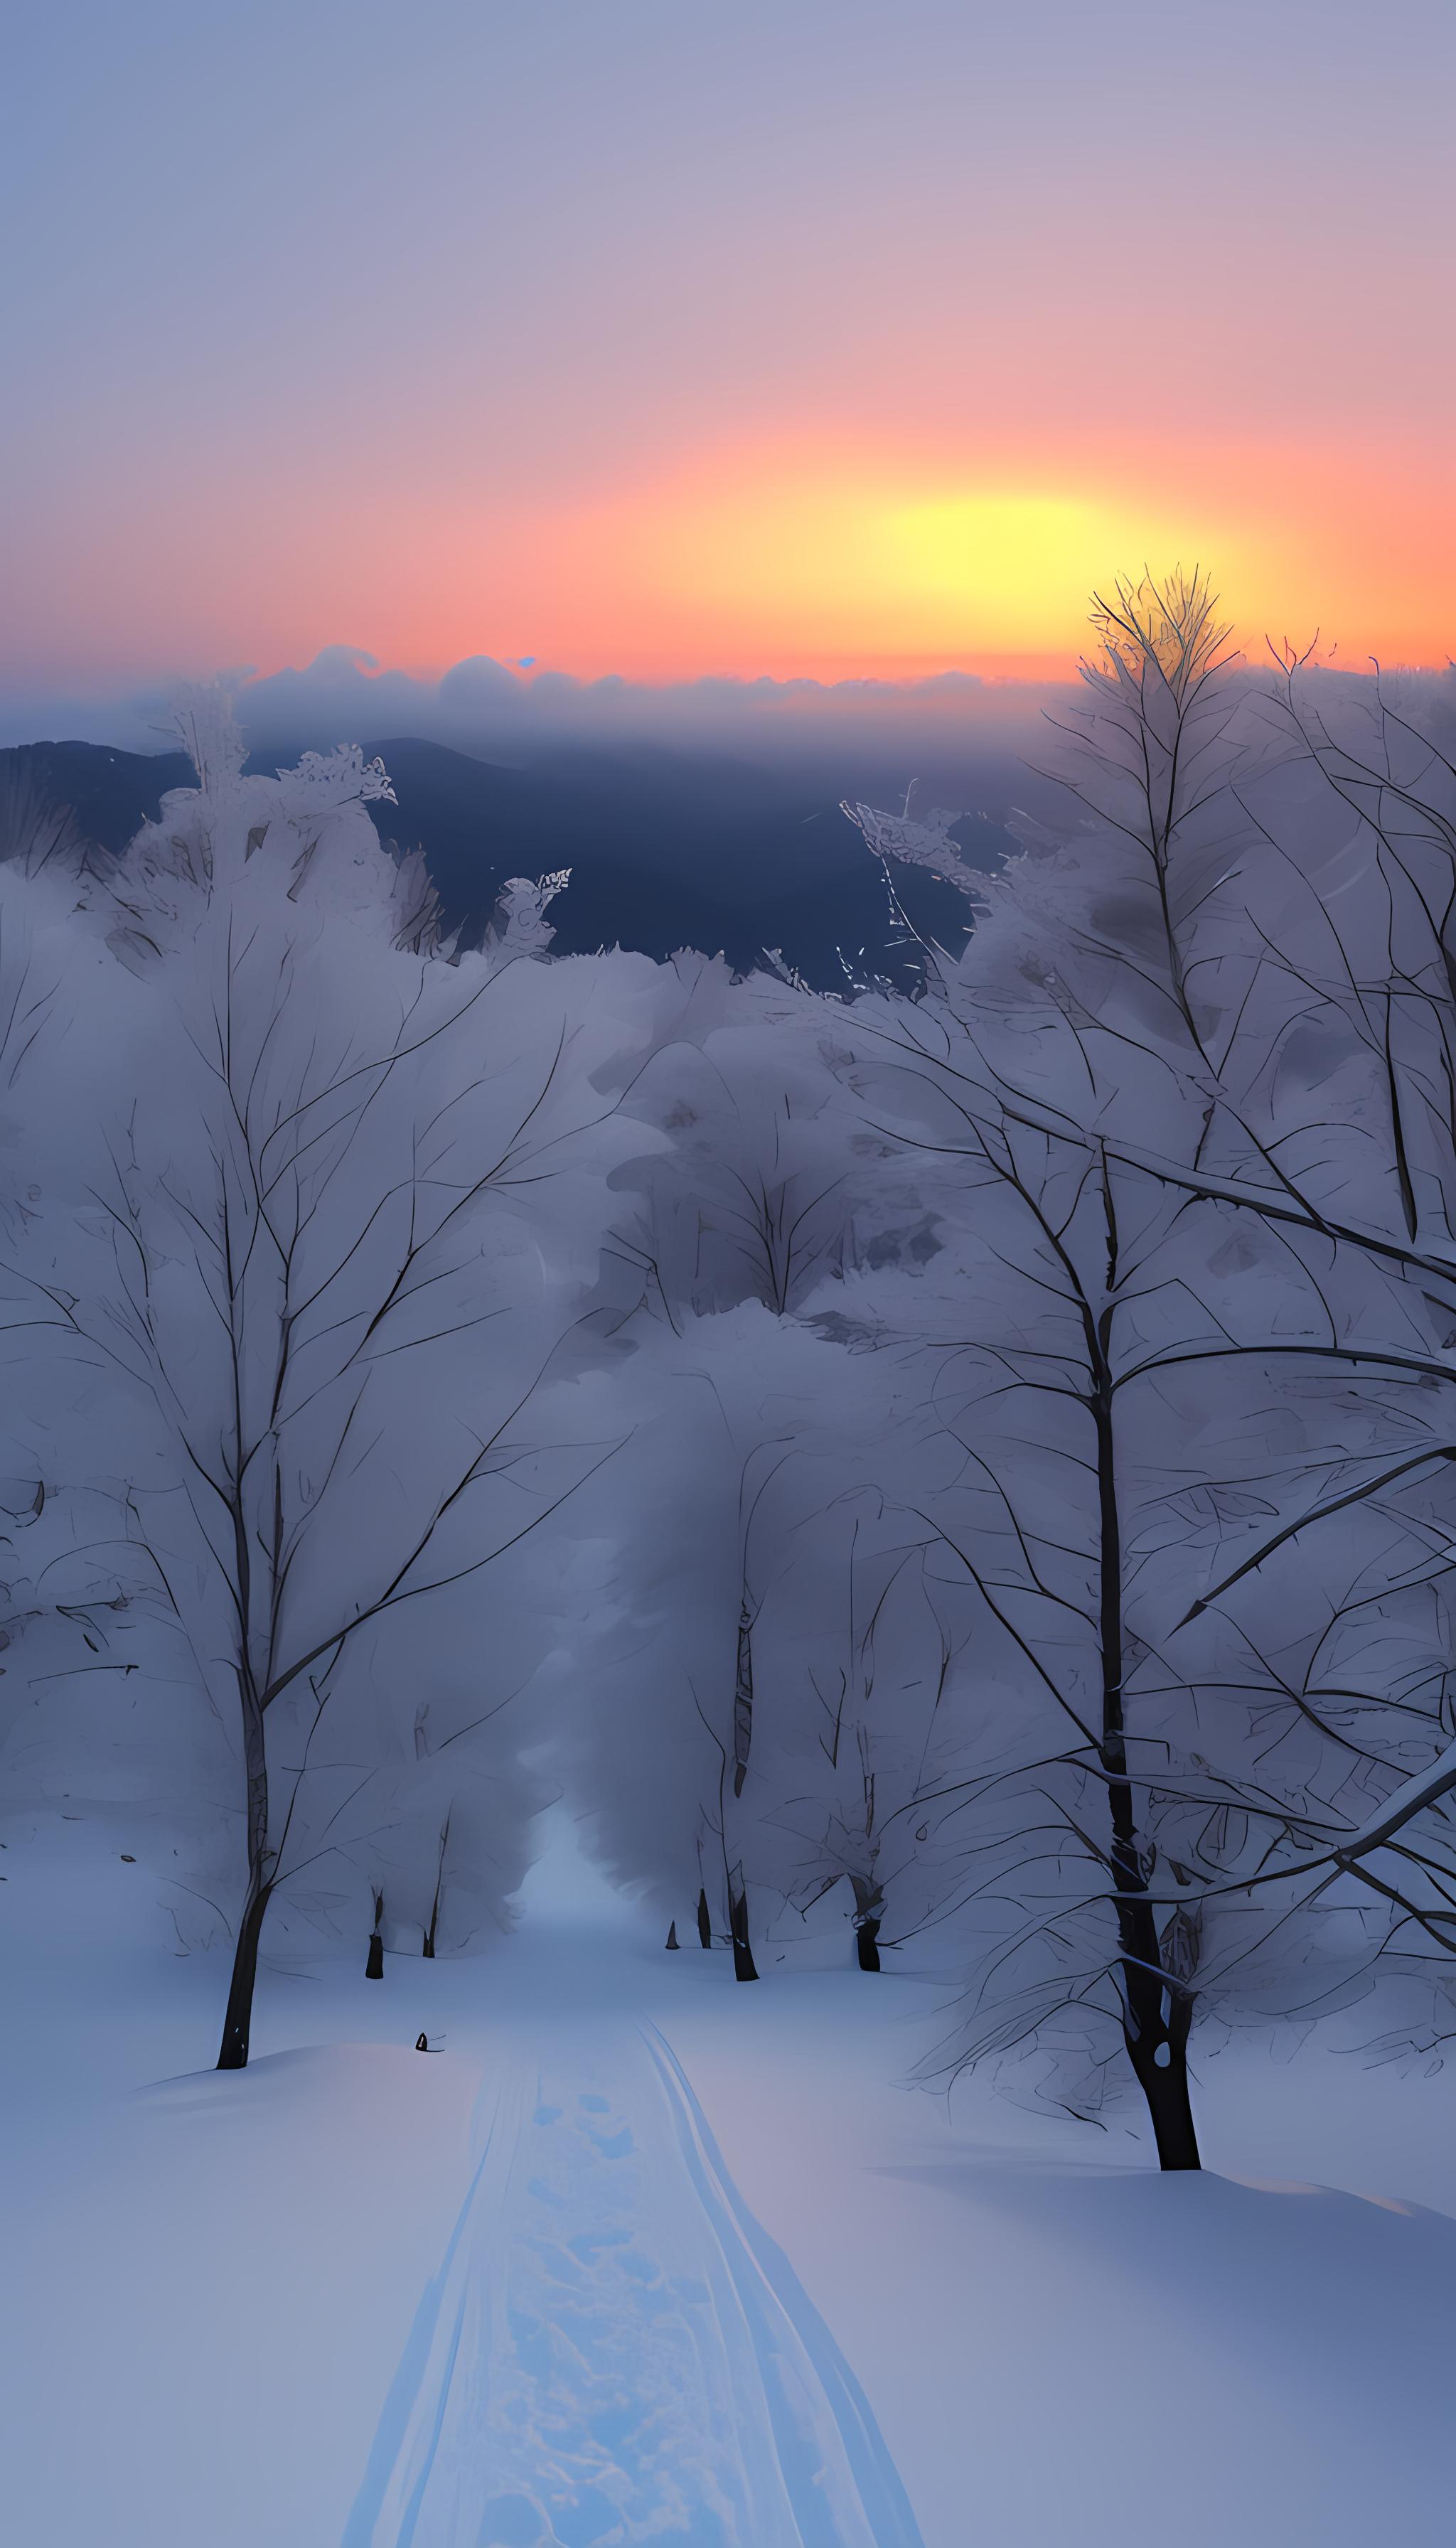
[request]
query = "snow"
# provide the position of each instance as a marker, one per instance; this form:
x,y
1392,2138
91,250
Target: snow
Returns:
x,y
639,2242
611,2347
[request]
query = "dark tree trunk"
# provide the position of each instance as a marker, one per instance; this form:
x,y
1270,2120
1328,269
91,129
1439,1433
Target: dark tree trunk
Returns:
x,y
743,1700
704,1919
868,1913
1156,2013
744,1967
237,2021
374,1968
1158,2052
673,1936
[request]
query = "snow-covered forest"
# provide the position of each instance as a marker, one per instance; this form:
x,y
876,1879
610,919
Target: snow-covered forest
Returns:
x,y
970,1475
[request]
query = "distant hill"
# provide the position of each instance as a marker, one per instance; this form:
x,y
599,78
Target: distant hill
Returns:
x,y
111,793
665,851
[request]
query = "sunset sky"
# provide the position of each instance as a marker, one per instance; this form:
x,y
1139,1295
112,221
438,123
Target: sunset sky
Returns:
x,y
667,337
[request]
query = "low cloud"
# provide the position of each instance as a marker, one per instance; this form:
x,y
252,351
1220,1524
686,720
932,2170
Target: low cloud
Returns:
x,y
500,710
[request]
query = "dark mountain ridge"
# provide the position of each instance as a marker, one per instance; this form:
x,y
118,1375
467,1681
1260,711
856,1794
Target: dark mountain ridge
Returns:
x,y
665,850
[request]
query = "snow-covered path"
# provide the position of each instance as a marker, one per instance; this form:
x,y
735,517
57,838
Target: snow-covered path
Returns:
x,y
237,2303
613,2348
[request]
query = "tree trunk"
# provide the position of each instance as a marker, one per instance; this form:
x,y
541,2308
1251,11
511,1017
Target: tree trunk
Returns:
x,y
868,1913
374,1968
1157,2014
743,1700
673,1935
1158,2052
237,2021
704,1917
744,1967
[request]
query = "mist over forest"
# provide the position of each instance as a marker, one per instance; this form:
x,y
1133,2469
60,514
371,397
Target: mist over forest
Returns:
x,y
975,1429
700,815
893,1377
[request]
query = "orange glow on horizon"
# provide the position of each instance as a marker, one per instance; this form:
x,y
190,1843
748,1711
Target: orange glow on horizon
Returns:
x,y
801,560
797,564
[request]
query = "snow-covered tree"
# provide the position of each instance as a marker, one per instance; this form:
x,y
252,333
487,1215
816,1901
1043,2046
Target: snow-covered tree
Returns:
x,y
94,1699
746,1194
868,1703
343,1242
986,1457
1099,1081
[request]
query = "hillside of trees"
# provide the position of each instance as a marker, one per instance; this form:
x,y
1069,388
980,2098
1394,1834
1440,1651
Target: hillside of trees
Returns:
x,y
980,1455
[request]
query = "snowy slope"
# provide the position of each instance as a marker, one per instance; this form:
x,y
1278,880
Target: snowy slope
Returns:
x,y
355,2295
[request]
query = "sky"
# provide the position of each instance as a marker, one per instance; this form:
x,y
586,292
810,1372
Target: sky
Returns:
x,y
666,338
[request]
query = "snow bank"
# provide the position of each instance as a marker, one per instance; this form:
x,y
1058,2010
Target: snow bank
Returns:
x,y
213,2279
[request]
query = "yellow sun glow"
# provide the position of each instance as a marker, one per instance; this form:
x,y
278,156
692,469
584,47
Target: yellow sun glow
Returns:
x,y
831,567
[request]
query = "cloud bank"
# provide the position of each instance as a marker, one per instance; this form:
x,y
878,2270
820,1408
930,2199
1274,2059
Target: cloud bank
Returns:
x,y
499,710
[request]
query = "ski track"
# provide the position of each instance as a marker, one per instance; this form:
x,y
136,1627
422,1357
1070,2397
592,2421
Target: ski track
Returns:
x,y
613,2350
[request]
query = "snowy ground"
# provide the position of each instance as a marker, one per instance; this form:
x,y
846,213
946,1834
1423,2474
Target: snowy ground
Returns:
x,y
644,2257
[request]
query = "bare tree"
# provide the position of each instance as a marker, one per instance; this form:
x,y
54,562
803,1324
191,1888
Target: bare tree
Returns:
x,y
315,1266
1110,1069
869,1697
744,1197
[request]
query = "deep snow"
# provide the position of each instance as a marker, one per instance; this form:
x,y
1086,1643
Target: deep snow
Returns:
x,y
641,2242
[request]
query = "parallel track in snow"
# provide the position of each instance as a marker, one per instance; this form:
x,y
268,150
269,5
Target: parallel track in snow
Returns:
x,y
613,2350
